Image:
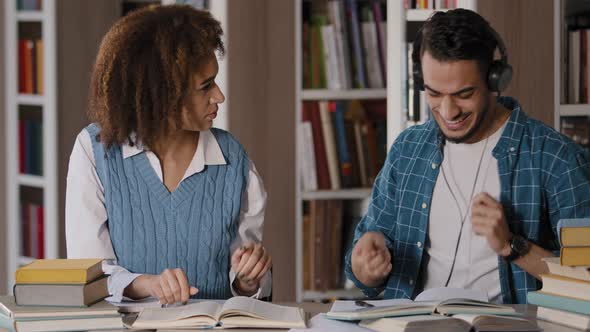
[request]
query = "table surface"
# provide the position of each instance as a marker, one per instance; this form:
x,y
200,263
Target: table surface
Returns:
x,y
312,309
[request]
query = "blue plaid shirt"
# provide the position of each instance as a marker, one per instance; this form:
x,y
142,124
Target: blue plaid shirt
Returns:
x,y
544,177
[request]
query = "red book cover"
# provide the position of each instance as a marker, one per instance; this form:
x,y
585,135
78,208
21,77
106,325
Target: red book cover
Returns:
x,y
22,51
40,233
311,112
25,230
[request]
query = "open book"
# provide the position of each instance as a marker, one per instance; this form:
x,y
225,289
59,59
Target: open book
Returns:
x,y
243,312
437,300
456,323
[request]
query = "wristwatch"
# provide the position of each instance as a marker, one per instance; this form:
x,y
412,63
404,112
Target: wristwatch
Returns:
x,y
519,246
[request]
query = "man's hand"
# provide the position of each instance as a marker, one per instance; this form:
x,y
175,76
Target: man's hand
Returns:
x,y
487,219
250,262
371,260
169,287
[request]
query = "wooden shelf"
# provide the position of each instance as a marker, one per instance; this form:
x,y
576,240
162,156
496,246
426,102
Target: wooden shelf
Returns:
x,y
30,16
31,180
420,15
358,193
325,94
574,110
28,99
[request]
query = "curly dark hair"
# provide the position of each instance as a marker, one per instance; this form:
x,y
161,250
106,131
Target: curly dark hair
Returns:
x,y
458,34
143,70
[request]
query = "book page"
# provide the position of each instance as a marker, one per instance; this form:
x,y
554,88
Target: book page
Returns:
x,y
498,323
350,310
446,293
200,314
245,306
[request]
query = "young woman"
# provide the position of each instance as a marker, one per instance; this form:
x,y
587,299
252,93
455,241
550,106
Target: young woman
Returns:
x,y
175,205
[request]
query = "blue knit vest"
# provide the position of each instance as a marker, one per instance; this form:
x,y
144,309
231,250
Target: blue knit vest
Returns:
x,y
191,228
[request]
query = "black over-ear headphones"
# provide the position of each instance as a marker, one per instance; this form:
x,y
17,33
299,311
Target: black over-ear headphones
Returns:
x,y
499,73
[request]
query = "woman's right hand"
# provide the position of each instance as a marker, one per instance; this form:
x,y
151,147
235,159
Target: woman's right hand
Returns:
x,y
168,287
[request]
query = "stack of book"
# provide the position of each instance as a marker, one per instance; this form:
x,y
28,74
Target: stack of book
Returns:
x,y
565,296
59,294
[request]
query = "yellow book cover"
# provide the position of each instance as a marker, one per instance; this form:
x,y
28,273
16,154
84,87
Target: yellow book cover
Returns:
x,y
575,236
575,256
60,271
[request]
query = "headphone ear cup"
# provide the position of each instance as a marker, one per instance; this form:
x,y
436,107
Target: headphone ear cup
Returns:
x,y
499,76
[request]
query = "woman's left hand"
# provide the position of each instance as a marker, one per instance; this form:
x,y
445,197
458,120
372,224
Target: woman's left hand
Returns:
x,y
250,262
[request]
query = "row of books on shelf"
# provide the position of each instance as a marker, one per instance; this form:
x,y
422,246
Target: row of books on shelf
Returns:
x,y
32,230
344,44
29,4
30,66
565,295
577,128
30,149
328,231
342,143
434,4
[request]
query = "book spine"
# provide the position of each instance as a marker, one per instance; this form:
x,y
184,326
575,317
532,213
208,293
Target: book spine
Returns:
x,y
330,144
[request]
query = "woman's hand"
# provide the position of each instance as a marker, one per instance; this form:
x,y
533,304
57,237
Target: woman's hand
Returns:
x,y
250,262
169,287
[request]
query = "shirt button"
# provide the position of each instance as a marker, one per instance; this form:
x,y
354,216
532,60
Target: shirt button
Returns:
x,y
419,244
411,282
424,205
434,165
512,149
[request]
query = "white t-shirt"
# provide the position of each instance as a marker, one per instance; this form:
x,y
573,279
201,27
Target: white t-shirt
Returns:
x,y
476,265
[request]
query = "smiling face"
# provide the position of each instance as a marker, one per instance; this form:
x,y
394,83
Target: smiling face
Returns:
x,y
459,98
200,104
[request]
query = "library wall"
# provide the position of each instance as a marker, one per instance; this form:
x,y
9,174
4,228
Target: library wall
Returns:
x,y
526,26
81,24
3,223
261,88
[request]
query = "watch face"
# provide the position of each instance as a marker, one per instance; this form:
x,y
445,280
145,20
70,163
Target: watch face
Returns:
x,y
520,245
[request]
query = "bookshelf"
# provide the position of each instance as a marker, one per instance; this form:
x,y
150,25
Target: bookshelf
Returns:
x,y
398,20
31,189
52,112
572,109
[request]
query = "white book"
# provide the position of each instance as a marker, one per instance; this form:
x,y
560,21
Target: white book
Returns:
x,y
370,46
342,53
330,58
239,311
307,157
577,321
330,144
576,272
358,138
456,323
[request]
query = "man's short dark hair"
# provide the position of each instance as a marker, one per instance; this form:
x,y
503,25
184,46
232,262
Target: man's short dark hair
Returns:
x,y
458,34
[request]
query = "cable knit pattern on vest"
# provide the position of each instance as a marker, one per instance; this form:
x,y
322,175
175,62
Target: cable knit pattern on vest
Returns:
x,y
191,228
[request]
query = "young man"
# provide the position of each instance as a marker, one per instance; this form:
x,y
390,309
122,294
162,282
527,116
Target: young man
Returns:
x,y
471,199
